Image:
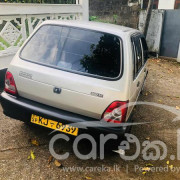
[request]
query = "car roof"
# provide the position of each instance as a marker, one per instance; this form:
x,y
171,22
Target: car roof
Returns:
x,y
98,26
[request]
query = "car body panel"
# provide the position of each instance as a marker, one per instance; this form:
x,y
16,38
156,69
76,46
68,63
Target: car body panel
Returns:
x,y
80,94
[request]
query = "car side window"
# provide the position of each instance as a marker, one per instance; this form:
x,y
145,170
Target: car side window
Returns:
x,y
138,55
145,49
134,59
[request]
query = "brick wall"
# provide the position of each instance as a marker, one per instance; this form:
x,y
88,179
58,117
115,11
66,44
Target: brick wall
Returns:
x,y
106,9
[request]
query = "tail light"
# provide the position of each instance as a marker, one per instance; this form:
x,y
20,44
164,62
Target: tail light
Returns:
x,y
10,86
116,112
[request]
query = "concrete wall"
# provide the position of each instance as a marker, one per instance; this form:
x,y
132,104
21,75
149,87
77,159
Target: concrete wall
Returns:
x,y
163,33
127,13
178,57
166,4
155,29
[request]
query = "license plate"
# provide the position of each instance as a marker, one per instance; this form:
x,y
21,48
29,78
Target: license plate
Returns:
x,y
54,125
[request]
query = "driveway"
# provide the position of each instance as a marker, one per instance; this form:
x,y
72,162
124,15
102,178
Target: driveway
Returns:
x,y
162,87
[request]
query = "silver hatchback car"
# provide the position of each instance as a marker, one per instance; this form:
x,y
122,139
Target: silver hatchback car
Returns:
x,y
69,72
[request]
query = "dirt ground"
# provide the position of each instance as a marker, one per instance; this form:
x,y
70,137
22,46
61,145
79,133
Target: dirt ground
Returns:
x,y
162,87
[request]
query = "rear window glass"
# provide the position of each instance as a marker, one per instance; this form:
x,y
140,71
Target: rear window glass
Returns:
x,y
75,49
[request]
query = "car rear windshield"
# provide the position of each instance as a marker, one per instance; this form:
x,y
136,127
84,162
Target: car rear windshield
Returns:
x,y
76,50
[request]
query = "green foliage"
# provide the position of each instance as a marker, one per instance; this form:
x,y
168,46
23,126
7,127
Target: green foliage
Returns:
x,y
115,18
97,19
93,18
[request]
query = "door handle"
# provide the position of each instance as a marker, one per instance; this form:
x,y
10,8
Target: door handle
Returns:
x,y
138,84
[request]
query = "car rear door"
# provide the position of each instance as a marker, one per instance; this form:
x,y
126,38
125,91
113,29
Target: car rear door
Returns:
x,y
72,69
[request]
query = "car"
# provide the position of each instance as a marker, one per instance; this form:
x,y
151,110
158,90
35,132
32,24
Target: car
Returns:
x,y
70,72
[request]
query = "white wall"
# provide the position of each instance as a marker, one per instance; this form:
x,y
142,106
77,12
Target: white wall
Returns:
x,y
166,4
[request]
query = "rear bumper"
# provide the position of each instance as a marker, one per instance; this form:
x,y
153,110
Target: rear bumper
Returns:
x,y
21,109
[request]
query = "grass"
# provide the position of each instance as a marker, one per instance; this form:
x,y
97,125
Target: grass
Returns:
x,y
98,19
